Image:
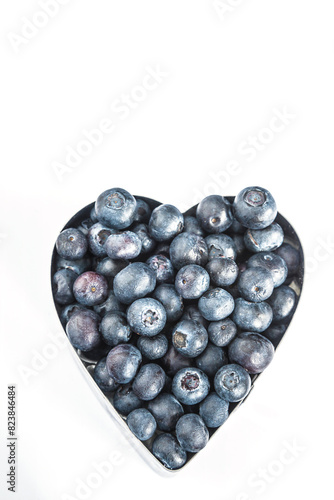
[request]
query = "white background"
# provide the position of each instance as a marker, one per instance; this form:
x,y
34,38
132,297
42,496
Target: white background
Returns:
x,y
229,74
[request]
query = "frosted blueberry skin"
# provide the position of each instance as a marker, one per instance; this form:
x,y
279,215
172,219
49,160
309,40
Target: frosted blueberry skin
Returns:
x,y
134,282
125,400
221,245
171,300
146,317
214,214
255,208
275,333
291,257
142,424
62,286
83,330
165,223
222,332
85,226
214,410
191,225
111,304
166,448
71,244
124,246
252,351
216,304
148,244
97,237
90,289
149,381
123,362
283,302
142,212
232,383
188,248
166,410
78,266
110,267
211,359
192,312
189,338
173,361
190,386
162,268
68,310
273,263
264,240
222,271
115,329
101,376
192,281
116,208
192,433
256,284
153,347
252,316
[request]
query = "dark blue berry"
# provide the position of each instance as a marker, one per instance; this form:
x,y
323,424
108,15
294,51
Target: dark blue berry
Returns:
x,y
115,329
189,338
111,304
125,245
256,284
214,214
149,381
282,301
134,282
221,245
90,289
83,330
71,244
188,248
62,286
222,332
125,400
167,449
211,359
192,281
153,347
148,244
146,317
97,237
264,240
123,362
214,410
165,223
173,361
116,208
101,376
78,266
192,433
223,272
191,225
166,410
171,300
190,385
142,423
143,211
255,208
216,304
252,316
252,351
273,263
291,257
232,383
162,268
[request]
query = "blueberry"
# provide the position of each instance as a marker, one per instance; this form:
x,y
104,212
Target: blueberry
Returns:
x,y
239,242
143,211
162,268
275,333
111,304
191,225
291,257
192,281
62,286
153,347
101,376
147,317
148,244
211,360
171,300
71,244
216,304
134,282
90,289
115,329
83,330
222,332
165,223
188,248
125,400
252,316
221,245
85,226
123,362
214,213
232,383
68,310
282,301
142,423
190,386
192,433
189,338
78,266
214,410
255,208
256,284
123,245
97,237
167,449
110,267
149,381
192,312
173,361
252,351
116,208
166,410
236,227
222,271
273,263
264,240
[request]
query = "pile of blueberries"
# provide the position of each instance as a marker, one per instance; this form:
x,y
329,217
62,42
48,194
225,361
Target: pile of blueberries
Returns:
x,y
180,312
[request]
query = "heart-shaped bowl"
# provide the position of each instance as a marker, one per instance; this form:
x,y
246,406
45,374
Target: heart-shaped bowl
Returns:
x,y
87,362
